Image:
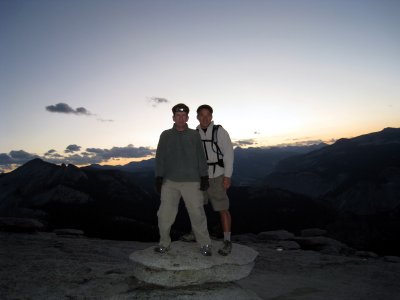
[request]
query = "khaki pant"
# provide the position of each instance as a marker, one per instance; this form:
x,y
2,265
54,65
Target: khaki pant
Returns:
x,y
171,193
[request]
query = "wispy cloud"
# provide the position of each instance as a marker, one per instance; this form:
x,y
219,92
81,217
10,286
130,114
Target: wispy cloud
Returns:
x,y
50,152
306,141
104,120
64,108
244,143
154,101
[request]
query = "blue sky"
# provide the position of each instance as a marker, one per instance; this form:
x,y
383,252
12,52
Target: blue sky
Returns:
x,y
94,81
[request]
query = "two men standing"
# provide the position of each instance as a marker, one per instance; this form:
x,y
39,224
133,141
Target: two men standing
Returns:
x,y
188,166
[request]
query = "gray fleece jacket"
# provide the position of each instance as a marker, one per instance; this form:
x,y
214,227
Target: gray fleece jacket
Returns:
x,y
180,156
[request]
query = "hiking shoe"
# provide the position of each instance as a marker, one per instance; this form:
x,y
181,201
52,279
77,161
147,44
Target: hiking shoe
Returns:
x,y
161,249
226,248
206,250
188,237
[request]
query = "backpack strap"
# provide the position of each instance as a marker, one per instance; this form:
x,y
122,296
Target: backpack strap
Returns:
x,y
215,148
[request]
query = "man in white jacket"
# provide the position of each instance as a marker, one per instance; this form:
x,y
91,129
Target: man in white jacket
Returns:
x,y
219,153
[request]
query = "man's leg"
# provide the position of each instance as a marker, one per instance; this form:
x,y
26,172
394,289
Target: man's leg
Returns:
x,y
226,227
189,237
220,202
226,222
194,201
170,197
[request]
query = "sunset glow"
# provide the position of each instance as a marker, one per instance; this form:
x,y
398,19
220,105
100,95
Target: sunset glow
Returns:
x,y
94,81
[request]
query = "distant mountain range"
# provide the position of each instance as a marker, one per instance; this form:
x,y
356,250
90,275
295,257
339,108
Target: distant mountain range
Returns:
x,y
98,201
350,188
361,175
251,165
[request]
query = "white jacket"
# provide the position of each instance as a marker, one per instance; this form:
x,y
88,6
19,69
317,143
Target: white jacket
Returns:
x,y
224,143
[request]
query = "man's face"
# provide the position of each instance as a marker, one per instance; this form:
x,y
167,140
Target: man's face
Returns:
x,y
204,116
180,118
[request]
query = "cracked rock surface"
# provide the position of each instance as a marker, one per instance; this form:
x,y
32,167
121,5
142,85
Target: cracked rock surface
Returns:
x,y
184,265
50,266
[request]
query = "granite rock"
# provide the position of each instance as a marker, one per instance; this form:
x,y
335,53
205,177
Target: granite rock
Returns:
x,y
49,266
184,265
313,232
275,235
20,224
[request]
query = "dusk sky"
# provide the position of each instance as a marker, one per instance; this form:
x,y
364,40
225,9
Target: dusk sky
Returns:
x,y
93,81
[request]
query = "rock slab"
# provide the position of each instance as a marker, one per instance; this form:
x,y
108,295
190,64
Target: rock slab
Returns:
x,y
184,265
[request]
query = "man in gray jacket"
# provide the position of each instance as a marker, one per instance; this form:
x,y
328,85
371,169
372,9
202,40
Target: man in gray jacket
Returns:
x,y
219,153
181,171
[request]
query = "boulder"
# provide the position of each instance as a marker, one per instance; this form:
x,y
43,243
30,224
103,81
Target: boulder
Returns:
x,y
287,245
323,244
20,225
69,232
366,254
275,235
313,232
393,259
184,265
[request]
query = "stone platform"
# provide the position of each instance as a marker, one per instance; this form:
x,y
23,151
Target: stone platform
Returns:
x,y
184,265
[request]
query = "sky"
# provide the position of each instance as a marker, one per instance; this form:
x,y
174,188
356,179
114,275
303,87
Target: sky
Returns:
x,y
94,81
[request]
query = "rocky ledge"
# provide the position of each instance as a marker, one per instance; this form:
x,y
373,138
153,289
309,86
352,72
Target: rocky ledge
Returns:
x,y
184,265
67,265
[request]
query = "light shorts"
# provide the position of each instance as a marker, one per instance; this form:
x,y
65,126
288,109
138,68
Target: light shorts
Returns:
x,y
216,194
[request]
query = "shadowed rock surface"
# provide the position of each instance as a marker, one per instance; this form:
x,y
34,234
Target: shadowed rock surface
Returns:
x,y
185,265
51,266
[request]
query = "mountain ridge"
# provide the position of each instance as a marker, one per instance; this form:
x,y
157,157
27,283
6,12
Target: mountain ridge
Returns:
x,y
370,161
354,184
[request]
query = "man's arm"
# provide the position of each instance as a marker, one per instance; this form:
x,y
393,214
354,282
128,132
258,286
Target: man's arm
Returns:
x,y
226,147
201,157
160,153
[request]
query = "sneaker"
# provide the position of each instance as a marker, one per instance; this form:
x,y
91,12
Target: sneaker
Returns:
x,y
161,249
226,248
188,237
206,250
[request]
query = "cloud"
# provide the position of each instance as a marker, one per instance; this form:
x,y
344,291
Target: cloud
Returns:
x,y
50,152
14,159
5,159
72,148
306,141
242,143
66,109
73,155
104,120
125,152
157,100
21,156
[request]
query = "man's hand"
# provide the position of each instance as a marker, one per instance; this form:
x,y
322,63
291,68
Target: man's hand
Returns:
x,y
204,184
158,184
226,183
